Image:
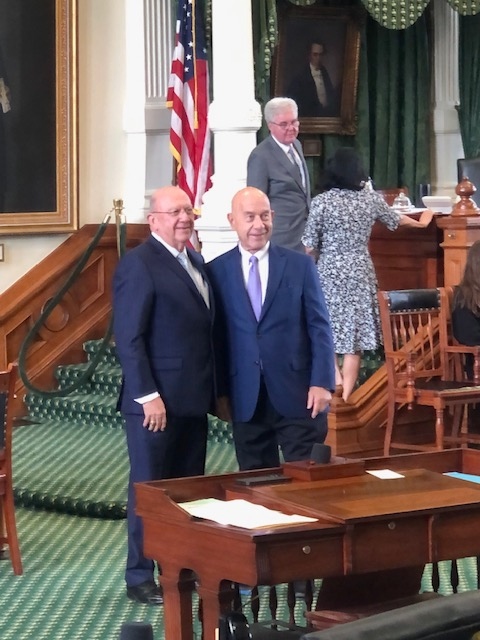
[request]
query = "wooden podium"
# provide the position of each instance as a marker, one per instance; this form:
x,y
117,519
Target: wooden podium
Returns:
x,y
363,524
460,230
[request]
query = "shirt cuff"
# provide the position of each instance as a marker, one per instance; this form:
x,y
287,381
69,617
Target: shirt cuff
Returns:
x,y
150,396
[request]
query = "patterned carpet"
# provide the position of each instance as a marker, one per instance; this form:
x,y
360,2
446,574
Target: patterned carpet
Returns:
x,y
70,476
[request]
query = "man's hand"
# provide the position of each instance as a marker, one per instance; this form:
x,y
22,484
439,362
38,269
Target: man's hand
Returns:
x,y
155,415
318,400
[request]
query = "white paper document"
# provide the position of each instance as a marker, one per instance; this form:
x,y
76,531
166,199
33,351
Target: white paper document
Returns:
x,y
240,513
385,474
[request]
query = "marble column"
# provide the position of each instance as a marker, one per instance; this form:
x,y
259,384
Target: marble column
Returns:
x,y
446,143
234,118
149,48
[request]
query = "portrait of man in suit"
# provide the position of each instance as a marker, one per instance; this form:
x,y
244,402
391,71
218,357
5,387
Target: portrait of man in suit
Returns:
x,y
316,65
312,88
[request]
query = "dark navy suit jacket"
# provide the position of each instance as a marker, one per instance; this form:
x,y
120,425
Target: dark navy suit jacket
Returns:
x,y
291,344
163,331
304,91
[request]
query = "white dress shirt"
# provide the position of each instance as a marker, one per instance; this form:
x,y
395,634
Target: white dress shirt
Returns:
x,y
262,256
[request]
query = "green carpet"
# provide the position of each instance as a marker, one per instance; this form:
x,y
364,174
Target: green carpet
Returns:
x,y
71,465
73,586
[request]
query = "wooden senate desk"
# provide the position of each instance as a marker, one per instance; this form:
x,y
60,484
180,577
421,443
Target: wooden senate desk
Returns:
x,y
365,524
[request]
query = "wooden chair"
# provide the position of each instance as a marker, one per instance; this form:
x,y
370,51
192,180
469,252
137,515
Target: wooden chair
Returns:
x,y
8,529
423,366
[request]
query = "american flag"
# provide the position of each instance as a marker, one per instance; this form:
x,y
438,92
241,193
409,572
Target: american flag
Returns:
x,y
188,98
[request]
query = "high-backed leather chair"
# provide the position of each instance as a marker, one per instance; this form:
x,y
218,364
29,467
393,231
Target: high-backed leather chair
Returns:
x,y
454,617
470,168
422,364
8,528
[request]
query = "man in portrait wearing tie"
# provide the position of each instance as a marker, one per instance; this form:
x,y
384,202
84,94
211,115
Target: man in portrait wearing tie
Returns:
x,y
163,323
312,89
277,167
273,342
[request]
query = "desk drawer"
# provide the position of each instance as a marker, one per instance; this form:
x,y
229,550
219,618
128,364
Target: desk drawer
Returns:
x,y
456,535
306,558
386,544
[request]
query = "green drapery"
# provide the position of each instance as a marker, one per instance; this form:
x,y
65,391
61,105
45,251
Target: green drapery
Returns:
x,y
469,77
401,14
392,102
393,106
398,124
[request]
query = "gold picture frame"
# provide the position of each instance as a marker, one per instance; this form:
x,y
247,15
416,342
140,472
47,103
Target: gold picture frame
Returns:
x,y
333,35
39,192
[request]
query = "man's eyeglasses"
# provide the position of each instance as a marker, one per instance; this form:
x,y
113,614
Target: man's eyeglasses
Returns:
x,y
174,213
285,125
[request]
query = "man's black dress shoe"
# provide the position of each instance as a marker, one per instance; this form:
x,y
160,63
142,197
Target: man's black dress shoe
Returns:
x,y
146,593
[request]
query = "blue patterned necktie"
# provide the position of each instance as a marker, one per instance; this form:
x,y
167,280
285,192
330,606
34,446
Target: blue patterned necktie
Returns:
x,y
254,287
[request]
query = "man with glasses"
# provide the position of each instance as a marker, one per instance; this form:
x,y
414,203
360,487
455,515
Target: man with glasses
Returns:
x,y
163,320
277,167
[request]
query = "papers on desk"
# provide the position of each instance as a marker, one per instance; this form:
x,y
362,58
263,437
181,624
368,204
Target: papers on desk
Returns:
x,y
385,474
464,476
240,513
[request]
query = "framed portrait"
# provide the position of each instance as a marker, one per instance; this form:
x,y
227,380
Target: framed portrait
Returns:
x,y
38,117
316,64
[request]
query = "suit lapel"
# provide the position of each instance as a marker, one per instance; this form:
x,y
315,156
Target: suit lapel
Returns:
x,y
234,274
276,266
198,263
282,157
170,262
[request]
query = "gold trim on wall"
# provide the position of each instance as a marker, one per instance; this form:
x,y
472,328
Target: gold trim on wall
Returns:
x,y
64,218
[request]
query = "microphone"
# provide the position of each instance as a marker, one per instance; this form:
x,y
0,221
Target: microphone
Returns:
x,y
321,453
136,631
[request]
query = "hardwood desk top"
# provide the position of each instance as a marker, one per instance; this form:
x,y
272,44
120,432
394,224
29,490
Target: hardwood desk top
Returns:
x,y
364,524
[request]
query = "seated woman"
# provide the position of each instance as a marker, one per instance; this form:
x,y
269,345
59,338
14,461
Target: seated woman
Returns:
x,y
337,233
466,319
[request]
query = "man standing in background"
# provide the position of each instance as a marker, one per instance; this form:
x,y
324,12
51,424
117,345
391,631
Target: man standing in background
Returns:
x,y
277,167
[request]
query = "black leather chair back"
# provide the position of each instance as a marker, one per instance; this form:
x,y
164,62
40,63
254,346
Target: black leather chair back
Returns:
x,y
470,168
454,617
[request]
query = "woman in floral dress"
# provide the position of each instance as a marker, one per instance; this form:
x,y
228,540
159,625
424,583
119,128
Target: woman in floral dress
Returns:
x,y
337,233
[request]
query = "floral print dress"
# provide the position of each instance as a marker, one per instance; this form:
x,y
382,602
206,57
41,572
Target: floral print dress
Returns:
x,y
339,226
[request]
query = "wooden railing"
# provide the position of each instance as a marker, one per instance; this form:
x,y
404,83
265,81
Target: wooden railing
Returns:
x,y
82,314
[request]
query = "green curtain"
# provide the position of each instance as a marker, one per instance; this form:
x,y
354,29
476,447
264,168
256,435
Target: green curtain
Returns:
x,y
393,107
398,65
469,80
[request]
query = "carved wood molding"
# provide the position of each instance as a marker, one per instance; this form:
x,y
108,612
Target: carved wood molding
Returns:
x,y
82,314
